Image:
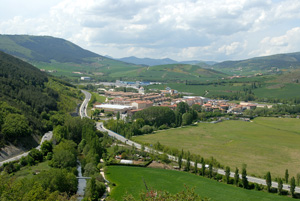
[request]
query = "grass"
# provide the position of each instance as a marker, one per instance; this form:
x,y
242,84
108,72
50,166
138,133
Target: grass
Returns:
x,y
29,171
276,90
266,144
99,98
130,180
200,89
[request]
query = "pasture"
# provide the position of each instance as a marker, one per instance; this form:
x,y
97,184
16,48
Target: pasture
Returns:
x,y
266,144
130,180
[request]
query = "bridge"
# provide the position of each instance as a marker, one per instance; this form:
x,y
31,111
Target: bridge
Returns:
x,y
83,177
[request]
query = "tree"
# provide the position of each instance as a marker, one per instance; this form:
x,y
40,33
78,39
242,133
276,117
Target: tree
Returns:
x,y
244,177
196,165
203,168
236,177
156,116
227,174
178,118
182,107
268,181
298,178
146,129
60,132
15,125
180,159
187,118
280,186
143,147
90,169
36,155
118,116
210,172
293,186
197,107
286,176
64,155
46,147
188,162
58,179
94,189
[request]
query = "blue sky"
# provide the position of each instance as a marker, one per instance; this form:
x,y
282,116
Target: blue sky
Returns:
x,y
181,30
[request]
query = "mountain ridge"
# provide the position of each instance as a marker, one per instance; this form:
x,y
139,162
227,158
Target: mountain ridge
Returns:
x,y
44,49
164,61
284,60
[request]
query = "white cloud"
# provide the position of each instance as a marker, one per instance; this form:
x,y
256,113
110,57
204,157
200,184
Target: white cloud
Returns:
x,y
289,42
203,29
229,49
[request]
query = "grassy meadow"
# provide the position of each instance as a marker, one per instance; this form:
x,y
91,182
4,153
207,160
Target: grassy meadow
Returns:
x,y
130,180
266,144
271,87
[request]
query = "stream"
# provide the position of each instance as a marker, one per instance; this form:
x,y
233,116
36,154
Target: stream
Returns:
x,y
81,183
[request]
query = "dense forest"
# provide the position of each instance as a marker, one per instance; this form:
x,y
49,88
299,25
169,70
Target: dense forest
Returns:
x,y
30,99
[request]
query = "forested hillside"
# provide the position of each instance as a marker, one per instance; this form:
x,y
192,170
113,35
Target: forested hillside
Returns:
x,y
30,99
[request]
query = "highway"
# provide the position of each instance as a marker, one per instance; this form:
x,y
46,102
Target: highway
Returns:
x,y
84,105
121,138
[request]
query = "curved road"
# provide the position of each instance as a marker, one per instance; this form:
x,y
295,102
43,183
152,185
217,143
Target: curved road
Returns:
x,y
121,138
84,105
46,136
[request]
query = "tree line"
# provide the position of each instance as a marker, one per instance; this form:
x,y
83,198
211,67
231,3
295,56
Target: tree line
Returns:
x,y
154,118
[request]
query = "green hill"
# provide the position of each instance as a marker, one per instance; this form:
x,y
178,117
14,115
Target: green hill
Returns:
x,y
171,72
44,49
61,57
273,63
29,98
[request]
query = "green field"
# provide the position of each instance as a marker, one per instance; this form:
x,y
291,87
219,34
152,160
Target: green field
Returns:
x,y
130,180
278,90
30,171
266,144
200,90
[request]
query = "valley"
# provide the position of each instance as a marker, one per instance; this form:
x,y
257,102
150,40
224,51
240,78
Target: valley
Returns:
x,y
237,114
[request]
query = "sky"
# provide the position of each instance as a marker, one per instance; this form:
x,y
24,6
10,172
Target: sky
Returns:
x,y
210,30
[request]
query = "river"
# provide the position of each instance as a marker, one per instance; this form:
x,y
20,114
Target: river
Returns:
x,y
81,183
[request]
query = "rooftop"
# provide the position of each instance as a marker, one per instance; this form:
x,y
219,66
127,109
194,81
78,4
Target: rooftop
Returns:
x,y
108,106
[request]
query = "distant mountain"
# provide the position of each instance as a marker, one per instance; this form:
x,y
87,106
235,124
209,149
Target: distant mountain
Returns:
x,y
197,62
147,61
265,63
155,62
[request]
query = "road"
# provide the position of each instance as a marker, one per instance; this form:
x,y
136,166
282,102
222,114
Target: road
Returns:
x,y
46,136
121,138
84,105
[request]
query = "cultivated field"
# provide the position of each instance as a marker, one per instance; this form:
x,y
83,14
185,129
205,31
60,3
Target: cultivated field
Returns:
x,y
130,180
266,144
268,90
